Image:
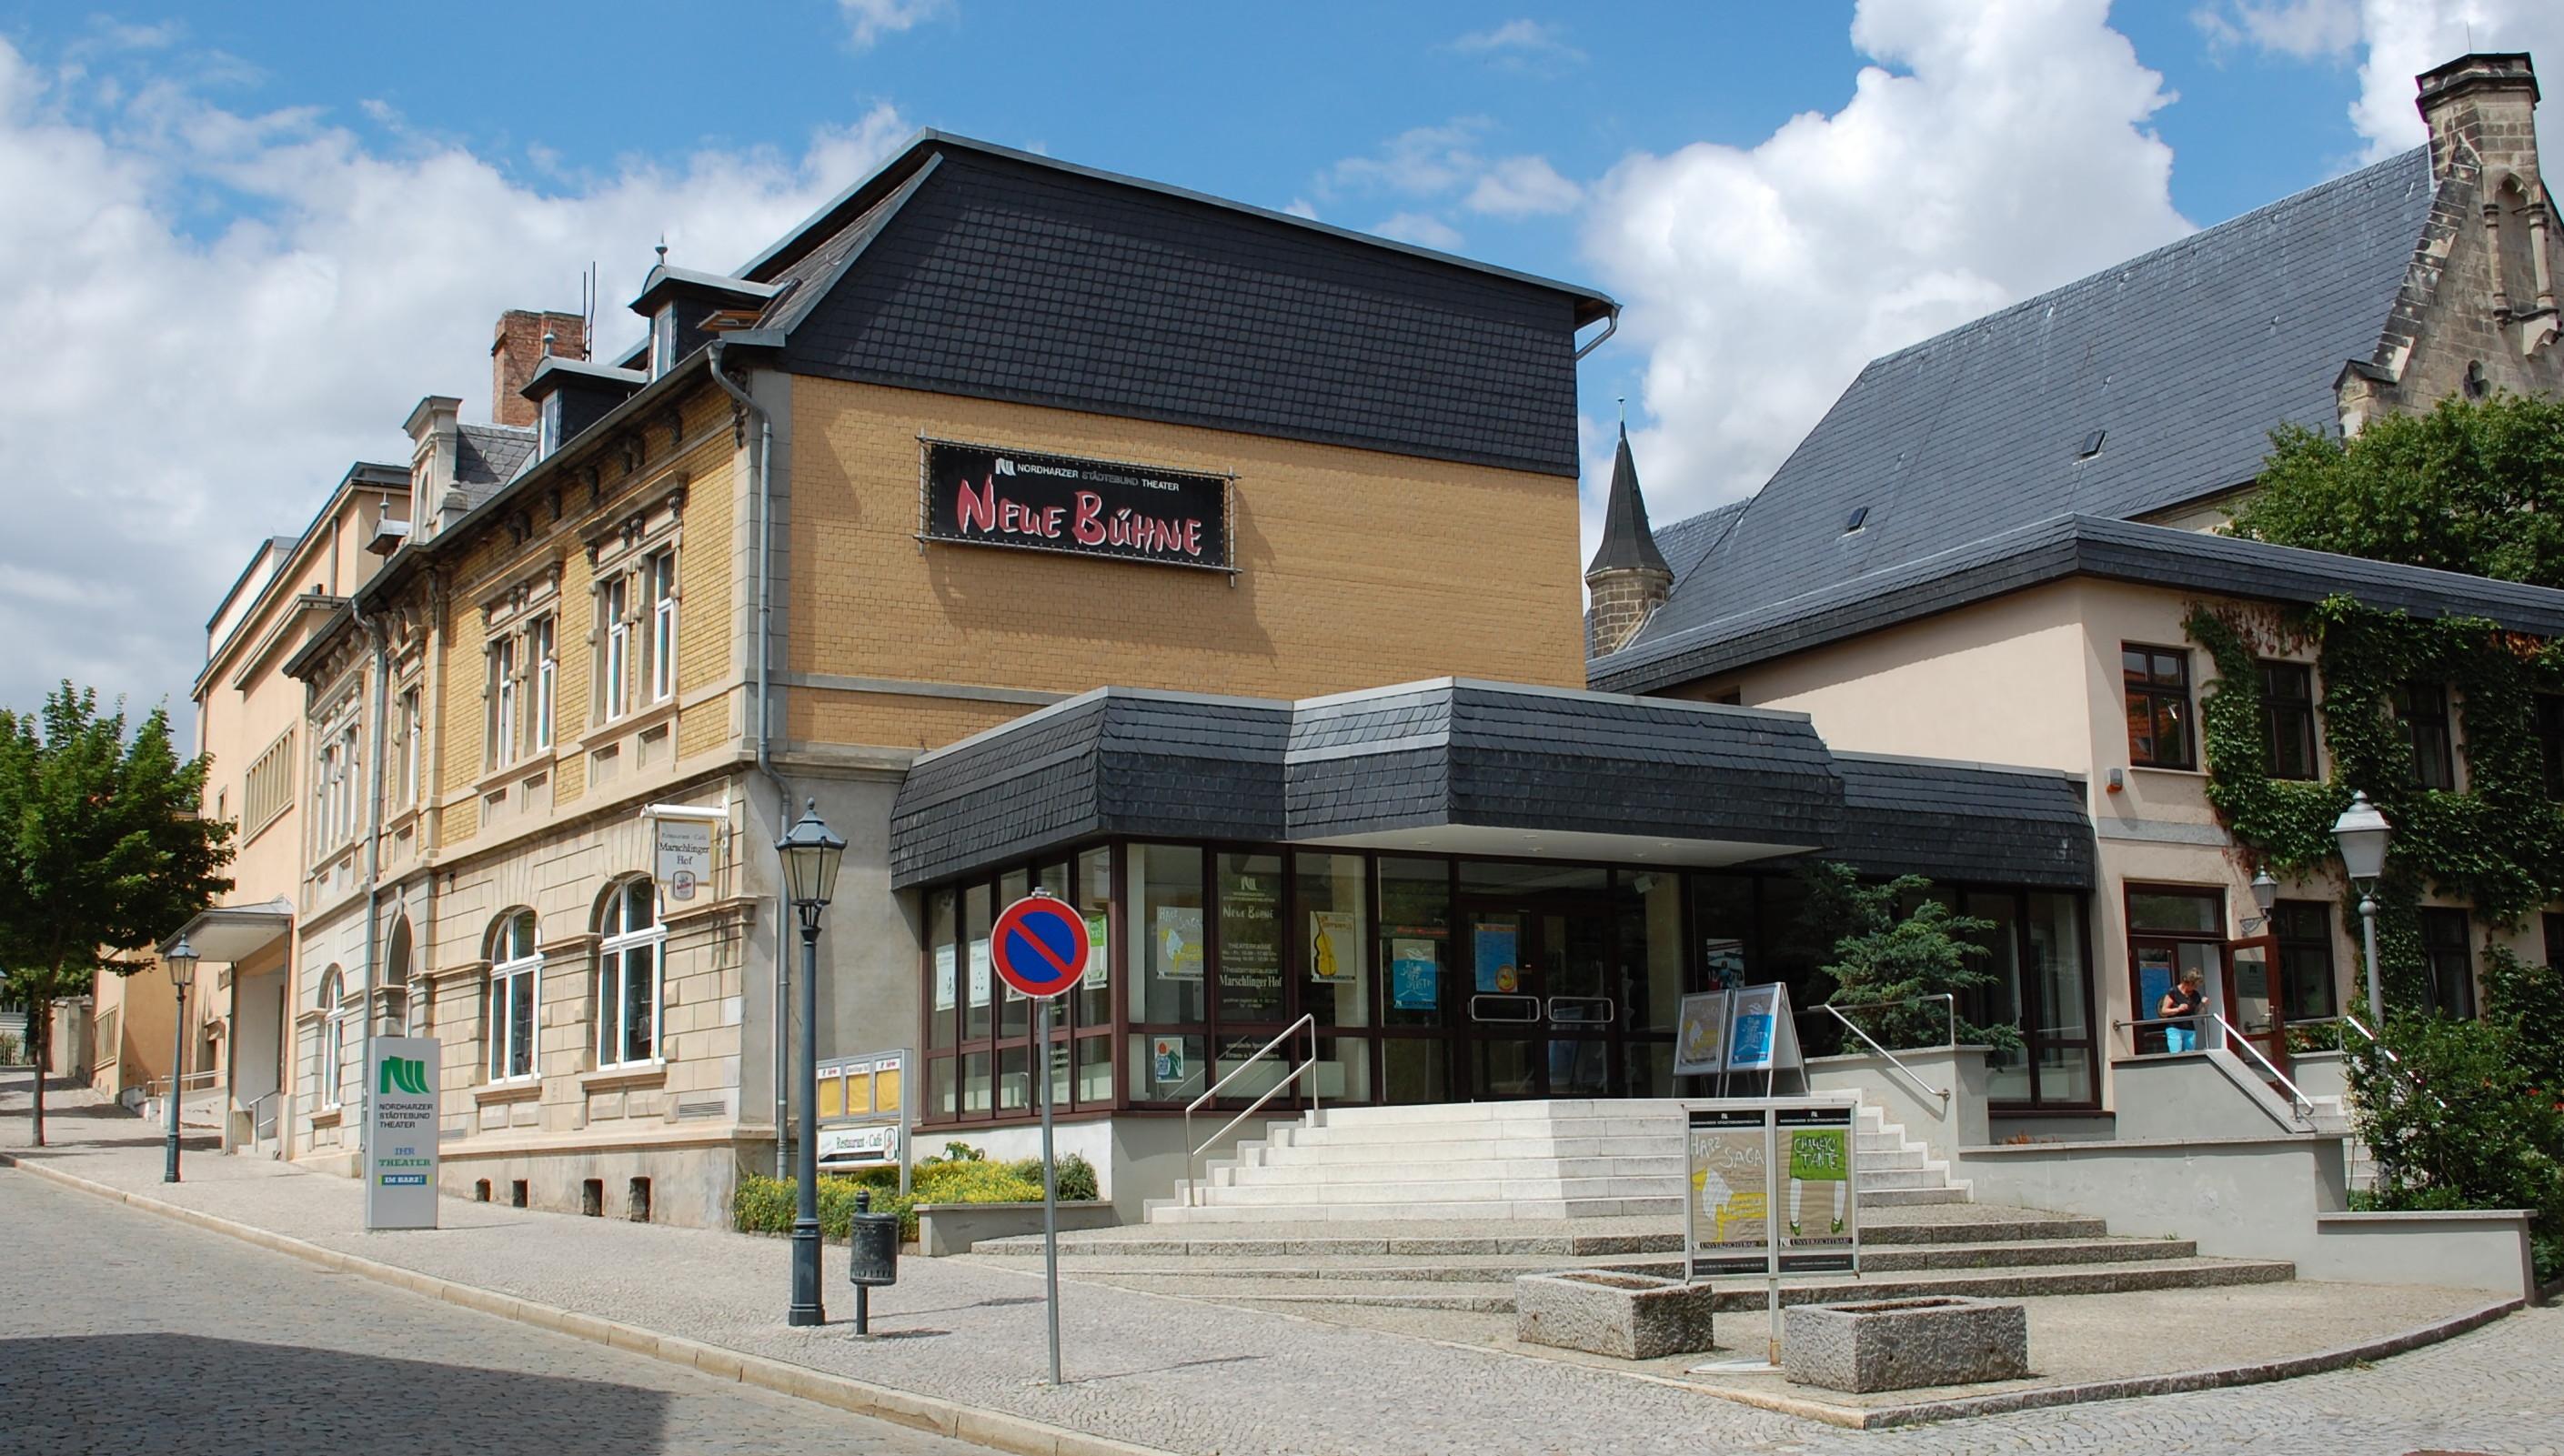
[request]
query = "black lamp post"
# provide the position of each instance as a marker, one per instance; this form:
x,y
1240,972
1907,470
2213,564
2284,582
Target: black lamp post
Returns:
x,y
810,855
181,963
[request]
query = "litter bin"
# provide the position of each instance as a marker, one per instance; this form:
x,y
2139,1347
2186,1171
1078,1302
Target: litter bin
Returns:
x,y
872,1256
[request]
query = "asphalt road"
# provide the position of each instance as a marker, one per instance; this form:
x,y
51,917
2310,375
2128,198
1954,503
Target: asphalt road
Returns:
x,y
125,1333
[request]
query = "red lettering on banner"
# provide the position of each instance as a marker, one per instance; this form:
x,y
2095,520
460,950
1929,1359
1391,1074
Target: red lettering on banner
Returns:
x,y
1088,531
980,507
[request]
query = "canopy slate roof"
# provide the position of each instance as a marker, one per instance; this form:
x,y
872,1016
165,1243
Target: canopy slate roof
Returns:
x,y
2181,362
2051,551
969,269
1458,753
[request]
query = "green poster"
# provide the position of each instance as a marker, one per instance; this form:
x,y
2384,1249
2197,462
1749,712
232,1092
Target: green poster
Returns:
x,y
1817,1156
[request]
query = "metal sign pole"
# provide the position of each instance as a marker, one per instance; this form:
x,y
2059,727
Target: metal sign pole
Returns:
x,y
1771,1225
1051,1187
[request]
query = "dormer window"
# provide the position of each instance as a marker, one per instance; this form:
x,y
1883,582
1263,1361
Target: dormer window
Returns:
x,y
663,340
547,426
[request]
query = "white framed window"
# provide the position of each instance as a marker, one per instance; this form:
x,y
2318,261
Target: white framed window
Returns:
x,y
501,724
659,574
663,340
334,1037
630,964
409,726
516,974
542,647
348,798
614,629
547,425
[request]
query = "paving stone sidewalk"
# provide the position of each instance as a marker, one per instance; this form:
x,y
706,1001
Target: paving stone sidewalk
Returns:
x,y
1188,1377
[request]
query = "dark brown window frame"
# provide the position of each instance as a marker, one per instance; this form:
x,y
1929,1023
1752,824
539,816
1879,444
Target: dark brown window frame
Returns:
x,y
2324,914
2463,984
2289,722
2155,694
2429,724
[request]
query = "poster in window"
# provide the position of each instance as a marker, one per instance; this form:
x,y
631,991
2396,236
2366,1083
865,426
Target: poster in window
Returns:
x,y
1700,1035
980,973
1726,961
945,975
1415,976
1334,955
1497,948
1098,932
1179,942
1250,937
1166,1061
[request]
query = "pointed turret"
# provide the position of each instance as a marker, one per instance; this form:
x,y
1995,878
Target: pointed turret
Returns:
x,y
1628,580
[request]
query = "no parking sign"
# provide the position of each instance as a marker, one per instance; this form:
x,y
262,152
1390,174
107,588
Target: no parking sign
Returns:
x,y
1039,945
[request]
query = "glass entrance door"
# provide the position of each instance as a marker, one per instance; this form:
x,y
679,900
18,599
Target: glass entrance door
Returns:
x,y
1540,1019
2252,999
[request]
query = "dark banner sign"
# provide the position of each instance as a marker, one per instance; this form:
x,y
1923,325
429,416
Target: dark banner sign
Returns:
x,y
1094,508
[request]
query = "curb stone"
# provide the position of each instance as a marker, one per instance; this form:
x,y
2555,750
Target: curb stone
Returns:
x,y
1921,1413
995,1429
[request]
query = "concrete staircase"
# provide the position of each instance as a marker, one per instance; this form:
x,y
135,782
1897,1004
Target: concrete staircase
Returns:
x,y
1442,1207
1564,1159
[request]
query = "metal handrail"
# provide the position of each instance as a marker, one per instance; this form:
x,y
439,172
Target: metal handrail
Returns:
x,y
2396,1063
2300,1104
1193,1157
1949,1003
258,1129
1907,1072
159,1086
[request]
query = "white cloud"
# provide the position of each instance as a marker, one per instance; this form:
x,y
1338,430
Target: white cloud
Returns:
x,y
1522,45
1422,161
2408,37
2005,152
868,21
214,312
2302,28
1422,229
1519,186
1301,207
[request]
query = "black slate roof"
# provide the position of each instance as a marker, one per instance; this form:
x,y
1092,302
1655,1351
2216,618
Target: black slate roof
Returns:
x,y
2050,550
1469,754
969,269
486,456
1628,544
1685,541
2149,384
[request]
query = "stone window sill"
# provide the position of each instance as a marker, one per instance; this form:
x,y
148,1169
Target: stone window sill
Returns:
x,y
622,1079
524,1090
328,1117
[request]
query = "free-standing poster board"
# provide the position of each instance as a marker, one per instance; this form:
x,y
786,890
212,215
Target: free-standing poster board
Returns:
x,y
400,1131
1770,1190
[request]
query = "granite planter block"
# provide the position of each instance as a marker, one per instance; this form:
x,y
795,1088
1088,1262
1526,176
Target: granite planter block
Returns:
x,y
1898,1345
1631,1316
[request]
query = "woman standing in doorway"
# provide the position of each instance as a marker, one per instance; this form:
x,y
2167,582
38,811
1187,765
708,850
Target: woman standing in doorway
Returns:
x,y
2182,1003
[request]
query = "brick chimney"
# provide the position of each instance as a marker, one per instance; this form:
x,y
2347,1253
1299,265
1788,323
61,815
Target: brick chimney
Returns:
x,y
516,350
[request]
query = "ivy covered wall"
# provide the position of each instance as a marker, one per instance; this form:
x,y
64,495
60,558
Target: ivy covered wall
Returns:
x,y
2496,843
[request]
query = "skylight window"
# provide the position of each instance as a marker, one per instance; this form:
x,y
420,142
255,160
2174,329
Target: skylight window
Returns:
x,y
2091,445
1857,521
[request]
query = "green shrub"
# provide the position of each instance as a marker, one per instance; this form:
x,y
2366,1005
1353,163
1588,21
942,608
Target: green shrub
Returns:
x,y
2464,1120
767,1205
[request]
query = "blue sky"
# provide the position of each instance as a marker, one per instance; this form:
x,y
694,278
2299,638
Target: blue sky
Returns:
x,y
278,225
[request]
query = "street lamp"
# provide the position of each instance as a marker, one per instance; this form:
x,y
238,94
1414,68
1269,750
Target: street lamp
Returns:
x,y
181,962
2266,896
810,855
2361,832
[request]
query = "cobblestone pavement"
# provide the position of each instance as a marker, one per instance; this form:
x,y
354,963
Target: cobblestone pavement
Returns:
x,y
1190,1376
124,1331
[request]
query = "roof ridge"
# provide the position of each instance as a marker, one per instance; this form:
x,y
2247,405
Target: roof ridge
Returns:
x,y
2194,238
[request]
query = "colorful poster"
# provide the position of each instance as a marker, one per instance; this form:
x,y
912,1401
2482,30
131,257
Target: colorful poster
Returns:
x,y
1415,976
1099,941
946,973
1817,1230
1497,948
1335,953
1756,1037
980,973
1166,1061
1179,942
1700,1035
1726,959
1730,1193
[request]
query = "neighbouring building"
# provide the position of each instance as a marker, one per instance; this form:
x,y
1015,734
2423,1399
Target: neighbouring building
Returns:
x,y
1989,547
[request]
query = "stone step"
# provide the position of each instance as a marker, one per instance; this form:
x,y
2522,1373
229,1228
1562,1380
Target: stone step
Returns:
x,y
1976,1224
1495,1297
1452,1268
1440,1191
1667,1170
1461,1112
1405,1134
1910,1197
1484,1209
1290,1148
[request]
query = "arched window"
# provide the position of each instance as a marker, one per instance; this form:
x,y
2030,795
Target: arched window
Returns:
x,y
515,966
397,972
333,1036
629,962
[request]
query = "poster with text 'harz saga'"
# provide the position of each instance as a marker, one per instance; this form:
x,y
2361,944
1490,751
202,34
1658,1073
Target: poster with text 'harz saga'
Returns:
x,y
1730,1193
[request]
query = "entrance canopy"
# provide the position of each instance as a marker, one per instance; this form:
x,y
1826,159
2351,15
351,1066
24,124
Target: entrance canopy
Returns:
x,y
1457,766
230,934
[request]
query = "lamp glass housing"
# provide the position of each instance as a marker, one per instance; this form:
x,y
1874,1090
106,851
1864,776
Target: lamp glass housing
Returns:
x,y
2361,833
180,962
811,854
2265,891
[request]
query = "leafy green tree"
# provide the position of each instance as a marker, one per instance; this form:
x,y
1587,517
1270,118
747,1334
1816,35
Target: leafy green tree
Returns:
x,y
101,851
2474,485
1887,956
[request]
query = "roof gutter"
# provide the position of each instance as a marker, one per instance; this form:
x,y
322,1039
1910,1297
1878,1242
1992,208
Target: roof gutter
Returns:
x,y
1610,325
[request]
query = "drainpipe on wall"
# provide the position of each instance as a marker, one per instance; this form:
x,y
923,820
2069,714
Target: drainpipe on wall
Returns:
x,y
761,464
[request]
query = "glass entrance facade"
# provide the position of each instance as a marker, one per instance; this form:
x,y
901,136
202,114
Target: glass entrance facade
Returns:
x,y
1428,978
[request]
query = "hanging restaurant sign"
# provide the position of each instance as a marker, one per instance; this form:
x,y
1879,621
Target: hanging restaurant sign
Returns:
x,y
988,496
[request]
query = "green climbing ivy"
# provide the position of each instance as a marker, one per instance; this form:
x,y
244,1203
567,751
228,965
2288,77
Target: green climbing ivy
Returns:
x,y
2497,845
